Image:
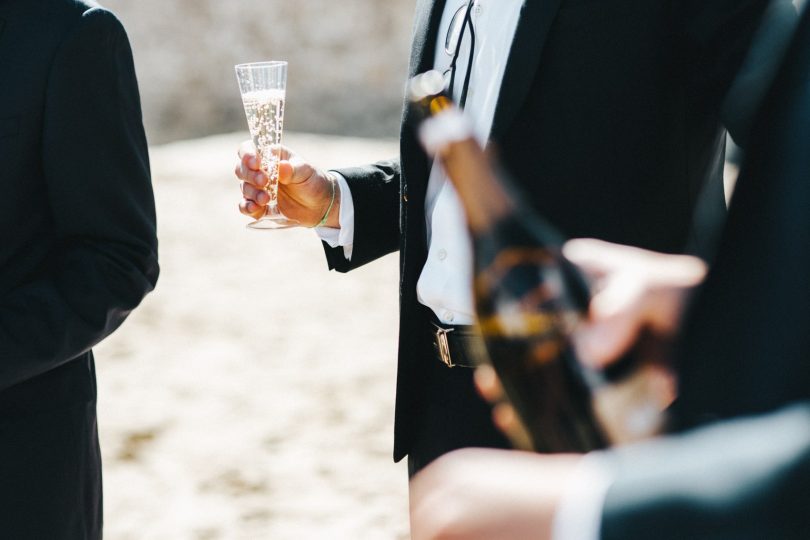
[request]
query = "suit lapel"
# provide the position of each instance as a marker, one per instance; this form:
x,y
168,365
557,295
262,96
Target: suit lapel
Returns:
x,y
415,163
535,22
429,15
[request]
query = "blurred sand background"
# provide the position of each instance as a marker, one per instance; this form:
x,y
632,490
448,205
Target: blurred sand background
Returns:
x,y
348,62
251,395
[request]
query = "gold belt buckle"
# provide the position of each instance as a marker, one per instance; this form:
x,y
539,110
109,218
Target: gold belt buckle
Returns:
x,y
444,346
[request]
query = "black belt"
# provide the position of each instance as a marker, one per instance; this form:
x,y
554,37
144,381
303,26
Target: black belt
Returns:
x,y
457,346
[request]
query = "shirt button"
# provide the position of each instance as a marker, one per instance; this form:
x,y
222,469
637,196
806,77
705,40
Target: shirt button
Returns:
x,y
449,316
441,254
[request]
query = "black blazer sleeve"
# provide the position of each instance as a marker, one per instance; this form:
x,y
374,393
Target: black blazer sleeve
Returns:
x,y
758,70
104,257
375,194
746,479
716,40
720,70
744,352
746,333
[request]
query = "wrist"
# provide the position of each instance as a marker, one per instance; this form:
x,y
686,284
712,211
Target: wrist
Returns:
x,y
331,208
333,217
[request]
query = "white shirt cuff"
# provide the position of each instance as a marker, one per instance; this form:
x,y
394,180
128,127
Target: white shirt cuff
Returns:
x,y
344,236
579,514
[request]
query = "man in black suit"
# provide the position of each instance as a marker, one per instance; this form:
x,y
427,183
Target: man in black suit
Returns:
x,y
78,252
607,114
740,468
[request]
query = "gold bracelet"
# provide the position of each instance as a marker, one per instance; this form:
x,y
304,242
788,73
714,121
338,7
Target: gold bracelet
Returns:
x,y
322,222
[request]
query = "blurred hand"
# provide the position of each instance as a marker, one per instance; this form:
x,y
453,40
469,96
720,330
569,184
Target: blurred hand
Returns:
x,y
504,415
304,192
488,495
636,291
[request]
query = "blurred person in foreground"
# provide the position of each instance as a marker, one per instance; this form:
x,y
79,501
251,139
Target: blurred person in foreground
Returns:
x,y
78,252
606,113
739,466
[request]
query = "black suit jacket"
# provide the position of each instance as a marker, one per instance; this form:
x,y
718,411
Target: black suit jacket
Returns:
x,y
746,351
78,251
608,119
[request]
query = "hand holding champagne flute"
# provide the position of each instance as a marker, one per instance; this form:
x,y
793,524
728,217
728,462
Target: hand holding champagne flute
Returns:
x,y
280,190
304,192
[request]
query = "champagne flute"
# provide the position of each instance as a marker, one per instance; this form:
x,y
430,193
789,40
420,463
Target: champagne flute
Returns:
x,y
263,87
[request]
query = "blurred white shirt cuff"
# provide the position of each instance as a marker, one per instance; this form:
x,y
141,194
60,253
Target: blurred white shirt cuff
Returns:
x,y
344,236
579,514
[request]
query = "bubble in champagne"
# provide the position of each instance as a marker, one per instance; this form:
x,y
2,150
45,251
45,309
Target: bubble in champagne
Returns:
x,y
265,116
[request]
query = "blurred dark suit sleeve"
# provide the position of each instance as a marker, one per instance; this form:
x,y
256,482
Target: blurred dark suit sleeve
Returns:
x,y
754,78
103,257
745,351
717,40
738,480
746,345
375,193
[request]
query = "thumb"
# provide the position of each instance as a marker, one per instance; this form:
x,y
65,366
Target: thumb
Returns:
x,y
295,171
286,171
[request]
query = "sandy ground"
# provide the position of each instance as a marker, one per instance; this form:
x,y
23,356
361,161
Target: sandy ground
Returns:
x,y
251,395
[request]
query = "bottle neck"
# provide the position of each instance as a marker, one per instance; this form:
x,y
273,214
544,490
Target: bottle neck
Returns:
x,y
449,137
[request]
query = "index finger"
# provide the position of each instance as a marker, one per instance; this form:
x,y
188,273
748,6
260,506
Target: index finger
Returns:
x,y
597,257
247,155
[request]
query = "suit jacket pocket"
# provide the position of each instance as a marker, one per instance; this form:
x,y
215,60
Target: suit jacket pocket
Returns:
x,y
9,126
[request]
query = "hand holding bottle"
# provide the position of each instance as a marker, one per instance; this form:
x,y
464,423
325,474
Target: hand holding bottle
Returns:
x,y
636,292
530,300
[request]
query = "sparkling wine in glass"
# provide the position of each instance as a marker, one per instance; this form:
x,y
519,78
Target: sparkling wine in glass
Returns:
x,y
263,88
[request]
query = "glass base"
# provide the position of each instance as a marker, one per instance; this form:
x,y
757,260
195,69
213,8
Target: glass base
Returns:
x,y
268,223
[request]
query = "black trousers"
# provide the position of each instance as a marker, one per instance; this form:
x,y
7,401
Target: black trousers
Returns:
x,y
50,463
453,414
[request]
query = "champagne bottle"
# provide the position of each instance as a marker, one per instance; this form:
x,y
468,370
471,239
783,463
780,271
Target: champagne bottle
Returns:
x,y
528,297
